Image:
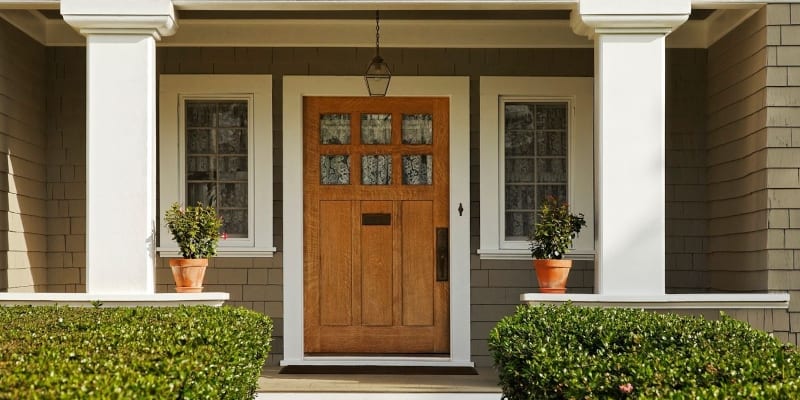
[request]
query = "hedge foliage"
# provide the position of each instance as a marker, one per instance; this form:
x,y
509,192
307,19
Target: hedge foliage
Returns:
x,y
570,352
131,353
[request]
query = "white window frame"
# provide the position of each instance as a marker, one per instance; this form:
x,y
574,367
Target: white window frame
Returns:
x,y
174,90
494,93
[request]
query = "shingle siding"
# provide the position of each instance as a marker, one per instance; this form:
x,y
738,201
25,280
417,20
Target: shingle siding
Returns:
x,y
23,230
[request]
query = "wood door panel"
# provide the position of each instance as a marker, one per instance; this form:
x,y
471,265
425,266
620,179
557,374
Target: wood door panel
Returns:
x,y
418,263
336,263
370,284
376,266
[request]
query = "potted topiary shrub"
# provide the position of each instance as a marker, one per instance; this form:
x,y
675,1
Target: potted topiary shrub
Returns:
x,y
197,232
555,228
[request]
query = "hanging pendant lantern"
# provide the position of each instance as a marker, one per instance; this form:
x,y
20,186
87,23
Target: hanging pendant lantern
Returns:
x,y
378,75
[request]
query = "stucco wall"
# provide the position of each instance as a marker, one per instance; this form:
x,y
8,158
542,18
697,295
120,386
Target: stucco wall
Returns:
x,y
23,228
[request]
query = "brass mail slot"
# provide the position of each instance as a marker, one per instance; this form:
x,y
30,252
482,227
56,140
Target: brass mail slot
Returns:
x,y
376,219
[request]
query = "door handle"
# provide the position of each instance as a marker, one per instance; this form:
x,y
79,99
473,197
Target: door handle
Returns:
x,y
442,255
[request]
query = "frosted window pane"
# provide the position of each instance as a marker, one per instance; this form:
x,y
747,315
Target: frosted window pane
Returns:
x,y
232,141
201,168
232,168
233,195
334,169
200,141
551,170
376,128
518,224
234,222
520,198
519,170
334,129
417,128
418,169
205,193
552,143
376,169
201,114
232,114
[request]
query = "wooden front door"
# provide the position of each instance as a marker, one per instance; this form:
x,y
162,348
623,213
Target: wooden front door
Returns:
x,y
375,209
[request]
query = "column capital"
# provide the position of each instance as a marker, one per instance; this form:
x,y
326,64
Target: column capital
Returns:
x,y
629,16
125,17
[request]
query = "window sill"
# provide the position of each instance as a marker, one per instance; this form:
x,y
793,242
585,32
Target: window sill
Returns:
x,y
166,252
520,254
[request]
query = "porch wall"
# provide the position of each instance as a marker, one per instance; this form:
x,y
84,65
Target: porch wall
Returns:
x,y
23,229
66,169
256,283
737,151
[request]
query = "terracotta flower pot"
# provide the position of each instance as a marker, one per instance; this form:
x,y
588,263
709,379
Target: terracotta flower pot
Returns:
x,y
552,275
188,274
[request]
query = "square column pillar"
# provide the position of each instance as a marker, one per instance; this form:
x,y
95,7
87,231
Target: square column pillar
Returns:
x,y
121,220
629,139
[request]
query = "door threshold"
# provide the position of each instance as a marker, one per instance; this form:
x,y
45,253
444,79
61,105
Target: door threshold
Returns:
x,y
386,361
375,370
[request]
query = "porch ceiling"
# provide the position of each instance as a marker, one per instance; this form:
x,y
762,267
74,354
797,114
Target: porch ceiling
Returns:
x,y
405,24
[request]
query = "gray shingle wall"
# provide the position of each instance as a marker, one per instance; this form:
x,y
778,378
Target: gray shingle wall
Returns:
x,y
66,169
737,151
23,231
686,205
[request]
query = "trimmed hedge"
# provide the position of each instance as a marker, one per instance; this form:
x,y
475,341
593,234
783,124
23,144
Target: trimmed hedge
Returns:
x,y
570,352
131,353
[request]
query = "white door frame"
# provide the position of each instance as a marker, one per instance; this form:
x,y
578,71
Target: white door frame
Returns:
x,y
457,90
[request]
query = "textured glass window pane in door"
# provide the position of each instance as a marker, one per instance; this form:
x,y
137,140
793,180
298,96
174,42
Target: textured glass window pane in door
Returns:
x,y
418,169
334,169
417,128
376,169
217,159
535,166
334,129
376,128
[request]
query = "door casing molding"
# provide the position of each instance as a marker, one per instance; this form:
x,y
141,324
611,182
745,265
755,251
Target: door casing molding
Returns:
x,y
457,90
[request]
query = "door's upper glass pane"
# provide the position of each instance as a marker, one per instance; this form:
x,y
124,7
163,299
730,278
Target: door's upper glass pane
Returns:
x,y
376,128
334,169
418,169
334,129
376,169
417,128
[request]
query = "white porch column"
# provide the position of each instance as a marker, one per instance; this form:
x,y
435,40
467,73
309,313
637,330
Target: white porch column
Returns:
x,y
121,218
629,77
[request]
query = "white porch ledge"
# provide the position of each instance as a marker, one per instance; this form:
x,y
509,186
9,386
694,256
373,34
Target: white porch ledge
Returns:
x,y
667,301
214,299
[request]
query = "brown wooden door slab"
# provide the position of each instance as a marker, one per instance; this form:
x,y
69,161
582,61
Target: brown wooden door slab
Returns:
x,y
375,191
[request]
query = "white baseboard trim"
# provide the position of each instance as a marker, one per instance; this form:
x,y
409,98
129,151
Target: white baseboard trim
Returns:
x,y
666,301
215,299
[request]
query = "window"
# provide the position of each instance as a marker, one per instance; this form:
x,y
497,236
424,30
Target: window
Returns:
x,y
536,141
534,135
215,148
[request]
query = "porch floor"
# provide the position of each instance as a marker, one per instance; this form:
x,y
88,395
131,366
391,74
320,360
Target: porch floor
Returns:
x,y
273,386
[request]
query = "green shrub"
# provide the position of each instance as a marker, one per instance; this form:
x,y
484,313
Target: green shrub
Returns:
x,y
569,352
131,353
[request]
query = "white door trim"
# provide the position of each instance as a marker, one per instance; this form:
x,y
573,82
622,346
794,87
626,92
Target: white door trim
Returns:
x,y
294,89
